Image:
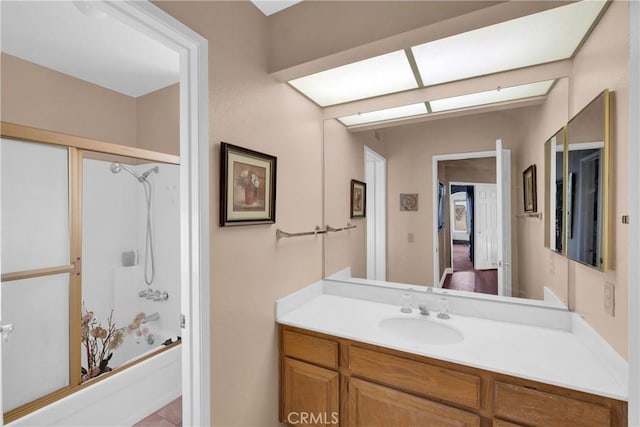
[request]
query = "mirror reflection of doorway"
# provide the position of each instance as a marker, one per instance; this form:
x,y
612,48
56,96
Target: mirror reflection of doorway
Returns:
x,y
471,240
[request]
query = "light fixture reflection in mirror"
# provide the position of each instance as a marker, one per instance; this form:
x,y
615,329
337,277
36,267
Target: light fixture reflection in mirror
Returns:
x,y
587,184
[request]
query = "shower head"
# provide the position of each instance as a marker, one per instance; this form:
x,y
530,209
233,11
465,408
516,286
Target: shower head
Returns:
x,y
117,167
146,174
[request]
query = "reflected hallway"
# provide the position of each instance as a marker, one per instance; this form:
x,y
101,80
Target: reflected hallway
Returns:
x,y
465,278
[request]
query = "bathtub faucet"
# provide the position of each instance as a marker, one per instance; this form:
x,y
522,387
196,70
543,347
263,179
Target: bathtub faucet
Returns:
x,y
152,317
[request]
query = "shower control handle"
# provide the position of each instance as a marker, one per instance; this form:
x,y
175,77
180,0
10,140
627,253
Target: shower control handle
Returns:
x,y
5,331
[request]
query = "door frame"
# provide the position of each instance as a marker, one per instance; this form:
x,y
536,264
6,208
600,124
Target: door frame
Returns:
x,y
193,49
634,214
375,167
150,20
434,199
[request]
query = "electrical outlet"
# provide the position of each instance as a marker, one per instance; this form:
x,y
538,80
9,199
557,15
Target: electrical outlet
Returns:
x,y
411,238
610,298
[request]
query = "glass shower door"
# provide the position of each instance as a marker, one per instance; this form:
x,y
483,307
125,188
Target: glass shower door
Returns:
x,y
36,270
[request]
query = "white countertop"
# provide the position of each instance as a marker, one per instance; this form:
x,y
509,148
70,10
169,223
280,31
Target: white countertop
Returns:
x,y
552,356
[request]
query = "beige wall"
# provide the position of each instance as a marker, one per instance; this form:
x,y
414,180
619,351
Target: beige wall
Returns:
x,y
543,267
601,63
250,269
344,161
40,97
158,120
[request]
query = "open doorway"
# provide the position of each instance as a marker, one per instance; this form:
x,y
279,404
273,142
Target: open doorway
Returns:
x,y
473,235
461,220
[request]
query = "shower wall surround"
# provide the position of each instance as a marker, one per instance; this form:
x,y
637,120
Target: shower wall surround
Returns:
x,y
114,221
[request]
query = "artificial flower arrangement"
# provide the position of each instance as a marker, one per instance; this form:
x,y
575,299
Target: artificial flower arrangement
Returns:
x,y
100,342
248,180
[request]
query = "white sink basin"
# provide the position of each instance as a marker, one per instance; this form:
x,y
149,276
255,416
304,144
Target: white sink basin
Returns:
x,y
423,331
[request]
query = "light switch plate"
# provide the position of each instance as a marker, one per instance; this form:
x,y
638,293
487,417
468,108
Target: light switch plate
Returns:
x,y
411,237
610,298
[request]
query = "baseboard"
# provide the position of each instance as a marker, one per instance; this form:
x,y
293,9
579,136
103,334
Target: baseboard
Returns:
x,y
448,270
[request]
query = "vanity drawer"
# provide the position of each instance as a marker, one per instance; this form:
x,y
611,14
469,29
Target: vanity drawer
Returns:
x,y
539,408
417,377
316,350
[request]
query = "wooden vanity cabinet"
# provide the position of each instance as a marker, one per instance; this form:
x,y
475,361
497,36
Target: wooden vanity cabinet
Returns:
x,y
375,405
310,393
343,382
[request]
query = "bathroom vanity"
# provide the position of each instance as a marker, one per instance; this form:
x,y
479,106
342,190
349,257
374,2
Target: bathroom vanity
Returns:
x,y
341,364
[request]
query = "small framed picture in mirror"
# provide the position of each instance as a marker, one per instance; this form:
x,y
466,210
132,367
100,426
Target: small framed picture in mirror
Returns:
x,y
529,187
358,199
408,202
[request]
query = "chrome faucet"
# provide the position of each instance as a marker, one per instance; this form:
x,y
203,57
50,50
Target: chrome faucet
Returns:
x,y
423,310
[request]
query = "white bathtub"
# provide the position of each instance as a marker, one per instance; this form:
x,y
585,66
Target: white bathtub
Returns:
x,y
122,399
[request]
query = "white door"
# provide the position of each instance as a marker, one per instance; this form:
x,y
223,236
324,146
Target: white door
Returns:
x,y
486,234
503,180
375,176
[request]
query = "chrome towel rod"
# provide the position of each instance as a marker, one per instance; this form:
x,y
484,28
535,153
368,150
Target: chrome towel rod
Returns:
x,y
282,234
348,227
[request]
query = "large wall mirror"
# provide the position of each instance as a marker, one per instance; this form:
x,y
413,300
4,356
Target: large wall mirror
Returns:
x,y
394,242
587,192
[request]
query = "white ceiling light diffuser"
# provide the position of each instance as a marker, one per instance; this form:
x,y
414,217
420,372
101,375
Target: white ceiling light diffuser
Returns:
x,y
386,114
543,37
371,77
454,103
491,96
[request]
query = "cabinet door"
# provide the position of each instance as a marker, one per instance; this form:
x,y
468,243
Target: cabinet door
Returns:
x,y
371,405
542,409
310,394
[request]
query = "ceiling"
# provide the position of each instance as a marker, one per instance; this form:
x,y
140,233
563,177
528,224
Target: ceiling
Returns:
x,y
538,39
87,45
269,7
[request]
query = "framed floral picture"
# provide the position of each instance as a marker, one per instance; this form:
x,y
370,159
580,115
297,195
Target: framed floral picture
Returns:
x,y
358,199
247,186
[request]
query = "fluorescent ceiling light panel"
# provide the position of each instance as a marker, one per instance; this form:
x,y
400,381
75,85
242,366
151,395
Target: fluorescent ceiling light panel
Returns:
x,y
380,75
543,37
386,114
491,96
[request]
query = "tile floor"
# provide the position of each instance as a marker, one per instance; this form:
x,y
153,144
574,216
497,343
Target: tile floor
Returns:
x,y
167,416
